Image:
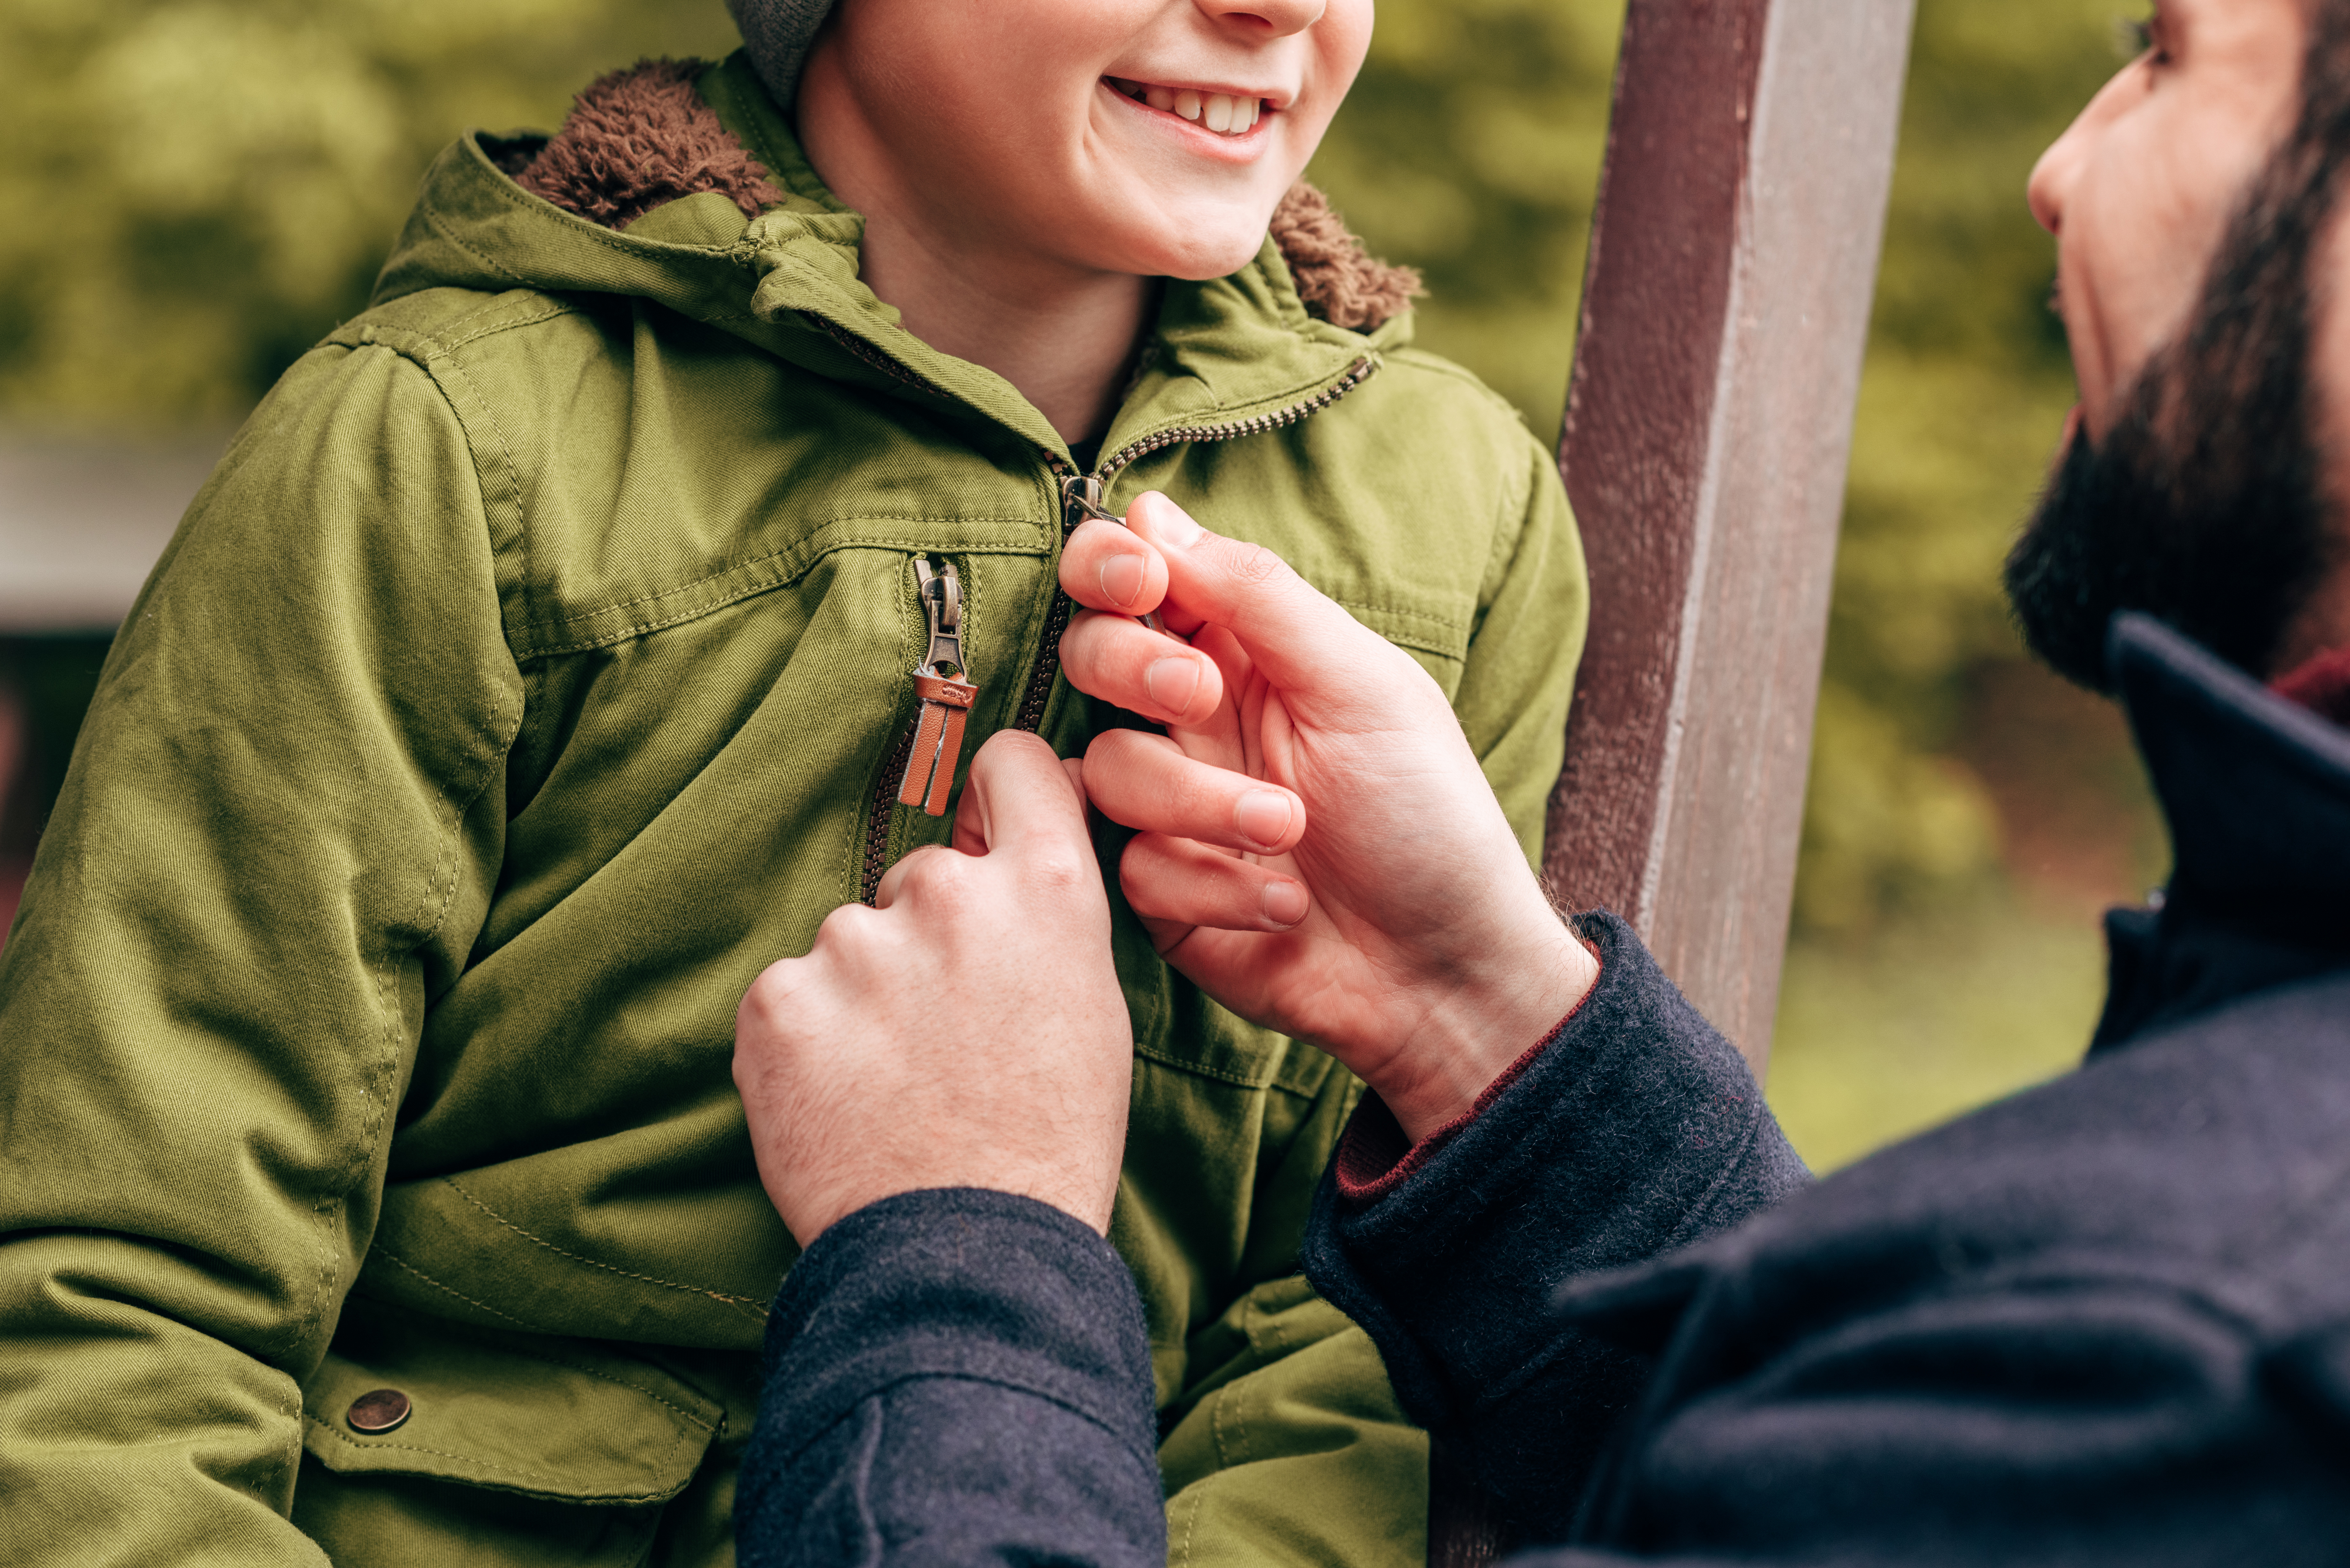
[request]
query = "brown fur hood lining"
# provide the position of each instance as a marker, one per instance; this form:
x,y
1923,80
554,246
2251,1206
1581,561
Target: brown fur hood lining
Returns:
x,y
642,138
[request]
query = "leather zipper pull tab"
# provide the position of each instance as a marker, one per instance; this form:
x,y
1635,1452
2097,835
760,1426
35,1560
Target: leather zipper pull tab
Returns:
x,y
946,697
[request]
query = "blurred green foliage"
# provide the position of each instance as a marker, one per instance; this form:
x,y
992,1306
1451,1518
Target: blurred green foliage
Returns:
x,y
199,188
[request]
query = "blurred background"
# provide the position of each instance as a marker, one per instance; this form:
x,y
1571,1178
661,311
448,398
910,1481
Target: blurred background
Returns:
x,y
201,188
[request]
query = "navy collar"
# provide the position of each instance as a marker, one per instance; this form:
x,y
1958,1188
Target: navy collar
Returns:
x,y
2257,793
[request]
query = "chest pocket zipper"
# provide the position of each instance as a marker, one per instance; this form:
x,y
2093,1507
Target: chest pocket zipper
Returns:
x,y
946,696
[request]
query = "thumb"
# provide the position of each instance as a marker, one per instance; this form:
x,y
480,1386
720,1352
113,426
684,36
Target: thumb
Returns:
x,y
1021,796
1302,641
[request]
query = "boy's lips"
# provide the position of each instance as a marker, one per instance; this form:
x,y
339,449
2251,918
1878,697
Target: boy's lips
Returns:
x,y
1227,115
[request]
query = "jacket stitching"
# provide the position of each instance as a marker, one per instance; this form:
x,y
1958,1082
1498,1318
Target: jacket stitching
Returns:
x,y
584,1371
433,216
555,308
512,474
1160,1058
397,1262
1226,1404
756,1310
756,585
1447,622
475,1462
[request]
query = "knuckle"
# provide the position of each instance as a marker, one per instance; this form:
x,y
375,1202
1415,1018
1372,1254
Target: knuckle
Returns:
x,y
1256,566
769,998
1062,871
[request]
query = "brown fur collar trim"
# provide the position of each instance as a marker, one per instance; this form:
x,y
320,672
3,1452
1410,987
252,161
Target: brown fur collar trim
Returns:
x,y
642,138
1337,280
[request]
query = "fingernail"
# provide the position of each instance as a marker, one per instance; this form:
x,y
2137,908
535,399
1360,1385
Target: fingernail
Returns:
x,y
1262,815
1121,580
1284,903
1172,683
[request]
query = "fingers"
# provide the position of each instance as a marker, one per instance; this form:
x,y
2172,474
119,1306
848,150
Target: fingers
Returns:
x,y
1104,567
1020,797
1179,882
1121,661
1145,782
1303,640
893,881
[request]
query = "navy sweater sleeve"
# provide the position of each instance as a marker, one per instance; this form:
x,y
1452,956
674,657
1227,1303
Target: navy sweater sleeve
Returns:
x,y
1635,1130
956,1377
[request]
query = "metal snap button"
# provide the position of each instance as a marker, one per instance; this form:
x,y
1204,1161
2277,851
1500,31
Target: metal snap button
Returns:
x,y
378,1410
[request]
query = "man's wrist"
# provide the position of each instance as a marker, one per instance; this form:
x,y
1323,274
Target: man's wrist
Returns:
x,y
1482,1027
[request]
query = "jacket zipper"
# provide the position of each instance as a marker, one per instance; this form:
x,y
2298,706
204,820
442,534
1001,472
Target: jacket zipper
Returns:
x,y
1077,501
1077,496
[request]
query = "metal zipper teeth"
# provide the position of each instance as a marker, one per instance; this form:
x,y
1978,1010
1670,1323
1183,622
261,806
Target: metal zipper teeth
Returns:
x,y
1033,702
1030,715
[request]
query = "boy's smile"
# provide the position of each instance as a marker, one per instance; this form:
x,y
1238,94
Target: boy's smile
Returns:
x,y
1026,168
1229,114
1147,137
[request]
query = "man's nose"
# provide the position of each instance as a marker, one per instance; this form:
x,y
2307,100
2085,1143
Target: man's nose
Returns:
x,y
1276,18
2051,180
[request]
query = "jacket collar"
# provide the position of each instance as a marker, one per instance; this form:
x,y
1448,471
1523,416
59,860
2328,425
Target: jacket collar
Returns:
x,y
2256,790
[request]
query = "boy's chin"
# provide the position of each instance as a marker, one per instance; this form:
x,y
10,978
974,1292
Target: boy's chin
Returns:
x,y
1192,256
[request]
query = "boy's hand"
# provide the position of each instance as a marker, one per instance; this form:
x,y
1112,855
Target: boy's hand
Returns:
x,y
1373,899
969,1031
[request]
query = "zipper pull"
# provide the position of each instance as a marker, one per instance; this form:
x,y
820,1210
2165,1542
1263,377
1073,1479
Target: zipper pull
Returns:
x,y
1081,498
946,696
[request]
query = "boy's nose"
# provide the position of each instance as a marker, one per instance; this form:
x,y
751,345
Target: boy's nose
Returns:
x,y
1277,19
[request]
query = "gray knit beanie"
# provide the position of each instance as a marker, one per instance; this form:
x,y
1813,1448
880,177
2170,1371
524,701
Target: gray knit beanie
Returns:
x,y
776,33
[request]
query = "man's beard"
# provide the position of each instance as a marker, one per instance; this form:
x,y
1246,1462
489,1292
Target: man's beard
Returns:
x,y
2228,552
2205,505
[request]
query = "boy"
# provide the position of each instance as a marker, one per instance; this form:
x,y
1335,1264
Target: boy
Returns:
x,y
560,642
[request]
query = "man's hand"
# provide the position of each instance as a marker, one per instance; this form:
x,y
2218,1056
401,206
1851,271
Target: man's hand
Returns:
x,y
969,1031
1319,851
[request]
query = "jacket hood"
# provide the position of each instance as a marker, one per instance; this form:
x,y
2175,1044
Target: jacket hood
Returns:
x,y
680,183
2256,791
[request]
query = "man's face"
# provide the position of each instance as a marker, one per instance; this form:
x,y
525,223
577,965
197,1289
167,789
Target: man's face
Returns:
x,y
2192,205
1146,137
2141,190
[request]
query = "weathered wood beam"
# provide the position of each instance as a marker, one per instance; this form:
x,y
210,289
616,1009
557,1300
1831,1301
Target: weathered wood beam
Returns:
x,y
1733,259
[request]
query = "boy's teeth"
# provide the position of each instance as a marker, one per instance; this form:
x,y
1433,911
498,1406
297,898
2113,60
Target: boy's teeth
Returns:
x,y
1220,113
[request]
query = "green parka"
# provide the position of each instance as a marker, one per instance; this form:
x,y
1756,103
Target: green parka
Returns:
x,y
523,683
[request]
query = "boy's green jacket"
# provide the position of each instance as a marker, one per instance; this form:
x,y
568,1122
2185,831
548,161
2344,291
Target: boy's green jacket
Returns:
x,y
524,681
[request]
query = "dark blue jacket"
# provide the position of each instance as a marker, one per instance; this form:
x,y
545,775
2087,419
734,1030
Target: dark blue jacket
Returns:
x,y
2104,1322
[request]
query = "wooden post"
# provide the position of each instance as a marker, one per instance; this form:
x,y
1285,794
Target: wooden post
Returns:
x,y
1725,306
1733,256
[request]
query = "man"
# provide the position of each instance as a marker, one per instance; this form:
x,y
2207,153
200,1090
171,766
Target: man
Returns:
x,y
2106,1321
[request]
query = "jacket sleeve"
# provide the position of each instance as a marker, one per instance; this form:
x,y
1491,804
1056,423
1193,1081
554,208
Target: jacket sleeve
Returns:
x,y
955,1377
1974,1422
1534,610
1635,1130
274,846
